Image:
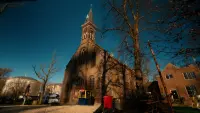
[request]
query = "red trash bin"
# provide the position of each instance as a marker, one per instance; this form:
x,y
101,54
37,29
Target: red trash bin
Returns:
x,y
108,102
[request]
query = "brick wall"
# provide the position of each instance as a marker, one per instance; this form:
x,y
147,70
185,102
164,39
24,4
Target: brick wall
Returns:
x,y
178,82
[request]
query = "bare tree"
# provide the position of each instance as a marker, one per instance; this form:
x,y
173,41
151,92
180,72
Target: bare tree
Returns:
x,y
4,72
106,66
176,19
145,67
15,88
11,3
179,23
127,16
45,73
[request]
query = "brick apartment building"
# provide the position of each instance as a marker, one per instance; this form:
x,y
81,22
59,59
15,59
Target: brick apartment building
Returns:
x,y
181,81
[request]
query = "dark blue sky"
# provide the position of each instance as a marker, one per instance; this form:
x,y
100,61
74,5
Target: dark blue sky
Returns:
x,y
31,32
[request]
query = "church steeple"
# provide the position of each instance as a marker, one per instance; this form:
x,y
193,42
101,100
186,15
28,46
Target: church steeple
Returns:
x,y
89,16
88,29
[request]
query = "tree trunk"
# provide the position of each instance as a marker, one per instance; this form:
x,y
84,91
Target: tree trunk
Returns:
x,y
42,93
103,87
138,72
124,86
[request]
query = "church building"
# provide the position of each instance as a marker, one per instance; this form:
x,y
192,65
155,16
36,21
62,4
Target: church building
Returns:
x,y
89,64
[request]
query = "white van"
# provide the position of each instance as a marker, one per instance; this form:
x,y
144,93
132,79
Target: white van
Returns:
x,y
54,99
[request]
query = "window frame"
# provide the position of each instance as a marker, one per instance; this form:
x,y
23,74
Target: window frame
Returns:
x,y
192,89
189,75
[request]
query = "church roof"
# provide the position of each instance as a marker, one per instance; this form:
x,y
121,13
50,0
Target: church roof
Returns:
x,y
127,67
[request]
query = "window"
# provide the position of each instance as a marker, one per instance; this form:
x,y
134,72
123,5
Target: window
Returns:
x,y
191,90
91,34
174,94
83,51
98,82
91,81
169,76
189,75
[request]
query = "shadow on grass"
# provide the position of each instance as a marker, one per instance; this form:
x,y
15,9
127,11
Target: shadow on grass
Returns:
x,y
186,110
17,109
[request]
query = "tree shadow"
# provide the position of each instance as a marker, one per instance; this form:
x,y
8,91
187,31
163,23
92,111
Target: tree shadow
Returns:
x,y
72,72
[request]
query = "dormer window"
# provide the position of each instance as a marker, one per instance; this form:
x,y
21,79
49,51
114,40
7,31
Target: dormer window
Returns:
x,y
169,76
189,75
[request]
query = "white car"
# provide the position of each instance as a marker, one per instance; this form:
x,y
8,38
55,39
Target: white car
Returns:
x,y
54,99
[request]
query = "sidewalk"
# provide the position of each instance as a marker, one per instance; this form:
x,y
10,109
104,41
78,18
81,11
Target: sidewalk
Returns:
x,y
48,109
65,109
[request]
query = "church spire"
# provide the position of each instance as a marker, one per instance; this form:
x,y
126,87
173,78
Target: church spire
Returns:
x,y
88,29
89,15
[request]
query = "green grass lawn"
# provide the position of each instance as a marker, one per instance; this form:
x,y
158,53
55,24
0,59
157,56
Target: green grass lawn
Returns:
x,y
186,110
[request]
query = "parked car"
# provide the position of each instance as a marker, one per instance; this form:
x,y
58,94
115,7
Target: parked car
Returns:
x,y
8,100
54,99
45,99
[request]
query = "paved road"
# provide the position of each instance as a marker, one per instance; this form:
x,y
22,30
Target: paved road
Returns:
x,y
48,109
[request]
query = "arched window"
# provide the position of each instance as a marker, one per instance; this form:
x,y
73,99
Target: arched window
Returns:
x,y
91,34
91,81
83,51
84,36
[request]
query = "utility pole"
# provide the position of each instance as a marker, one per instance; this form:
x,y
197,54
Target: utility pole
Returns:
x,y
161,78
